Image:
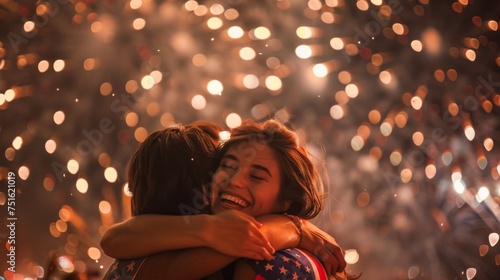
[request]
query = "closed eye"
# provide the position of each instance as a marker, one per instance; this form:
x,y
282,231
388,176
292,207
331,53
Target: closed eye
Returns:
x,y
227,166
258,177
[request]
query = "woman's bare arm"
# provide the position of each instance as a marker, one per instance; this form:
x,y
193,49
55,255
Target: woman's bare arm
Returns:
x,y
148,234
230,232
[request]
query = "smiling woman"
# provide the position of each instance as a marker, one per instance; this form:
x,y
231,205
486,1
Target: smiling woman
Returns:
x,y
269,156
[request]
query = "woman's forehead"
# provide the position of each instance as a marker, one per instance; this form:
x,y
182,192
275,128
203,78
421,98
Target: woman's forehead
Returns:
x,y
250,152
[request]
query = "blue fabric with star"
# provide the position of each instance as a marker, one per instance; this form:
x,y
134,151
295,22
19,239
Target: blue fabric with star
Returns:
x,y
292,264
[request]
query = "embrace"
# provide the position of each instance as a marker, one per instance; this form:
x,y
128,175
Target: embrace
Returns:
x,y
237,209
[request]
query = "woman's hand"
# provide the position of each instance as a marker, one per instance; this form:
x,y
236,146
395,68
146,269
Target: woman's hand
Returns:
x,y
323,246
235,233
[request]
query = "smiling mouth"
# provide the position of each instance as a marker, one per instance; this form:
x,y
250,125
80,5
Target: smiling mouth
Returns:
x,y
233,200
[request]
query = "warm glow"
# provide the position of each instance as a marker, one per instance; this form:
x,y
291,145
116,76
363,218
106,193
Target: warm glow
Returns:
x,y
235,32
82,185
386,128
357,143
385,77
104,207
94,253
17,143
470,133
352,90
406,175
398,28
43,66
23,172
216,9
351,256
430,171
138,23
247,53
215,87
233,120
470,55
416,102
147,82
262,33
344,77
250,81
73,166
320,70
273,83
337,43
304,32
488,144
198,102
59,117
214,23
418,138
482,194
132,119
374,116
416,45
396,158
59,65
110,174
303,51
29,26
336,112
50,146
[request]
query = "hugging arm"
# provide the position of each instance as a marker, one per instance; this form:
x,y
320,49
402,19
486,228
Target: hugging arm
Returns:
x,y
230,232
149,234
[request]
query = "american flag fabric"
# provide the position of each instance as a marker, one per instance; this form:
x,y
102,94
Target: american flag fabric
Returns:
x,y
287,264
124,269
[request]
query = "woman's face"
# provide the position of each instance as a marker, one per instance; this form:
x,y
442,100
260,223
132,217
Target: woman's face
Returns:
x,y
248,180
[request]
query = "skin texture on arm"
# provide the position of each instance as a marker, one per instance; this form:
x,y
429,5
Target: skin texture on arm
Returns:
x,y
149,234
324,247
279,230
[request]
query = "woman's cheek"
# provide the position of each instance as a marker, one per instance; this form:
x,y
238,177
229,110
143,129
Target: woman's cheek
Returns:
x,y
220,179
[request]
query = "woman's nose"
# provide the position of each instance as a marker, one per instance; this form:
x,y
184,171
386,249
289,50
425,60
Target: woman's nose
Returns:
x,y
239,179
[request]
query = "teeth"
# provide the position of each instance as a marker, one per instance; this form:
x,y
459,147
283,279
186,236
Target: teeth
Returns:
x,y
234,199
